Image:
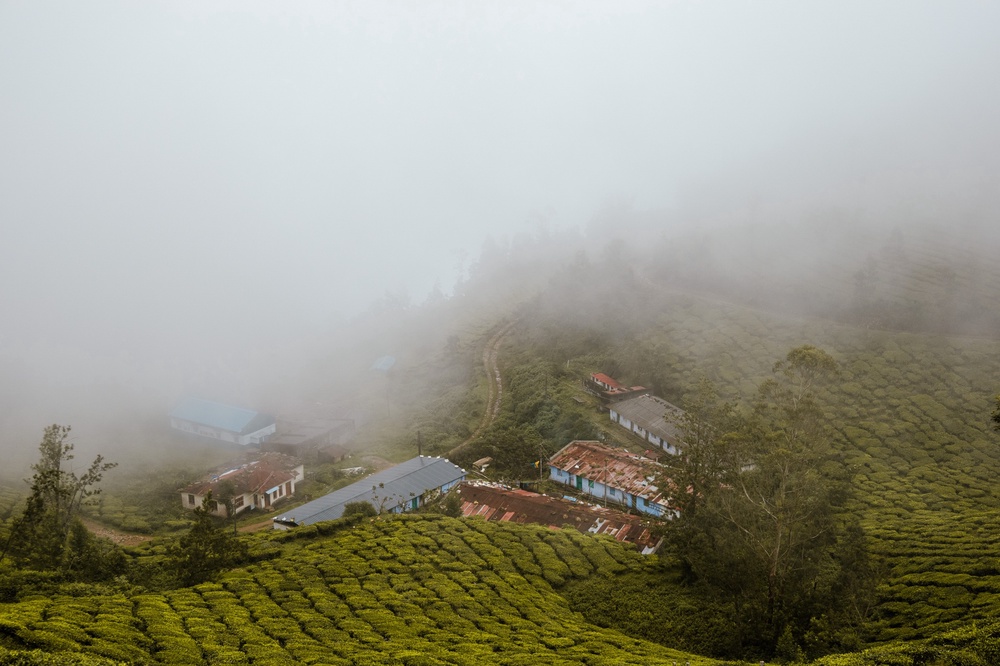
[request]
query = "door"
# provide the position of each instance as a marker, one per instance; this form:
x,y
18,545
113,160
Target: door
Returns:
x,y
579,483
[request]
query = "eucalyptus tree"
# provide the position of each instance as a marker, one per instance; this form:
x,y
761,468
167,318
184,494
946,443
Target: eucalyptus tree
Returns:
x,y
764,525
40,537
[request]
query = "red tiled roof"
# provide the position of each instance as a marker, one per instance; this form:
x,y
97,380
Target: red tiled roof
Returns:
x,y
520,506
253,477
604,379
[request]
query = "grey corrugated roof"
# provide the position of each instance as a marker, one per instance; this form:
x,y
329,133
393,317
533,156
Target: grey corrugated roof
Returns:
x,y
654,414
397,485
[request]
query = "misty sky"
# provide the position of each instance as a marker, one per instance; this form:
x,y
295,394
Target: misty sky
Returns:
x,y
176,176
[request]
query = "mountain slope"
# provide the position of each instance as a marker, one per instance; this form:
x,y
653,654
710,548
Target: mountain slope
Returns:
x,y
406,590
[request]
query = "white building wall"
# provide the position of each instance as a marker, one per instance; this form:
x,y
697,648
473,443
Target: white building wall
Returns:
x,y
258,436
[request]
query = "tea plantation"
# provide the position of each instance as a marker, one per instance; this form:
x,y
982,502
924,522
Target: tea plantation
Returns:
x,y
910,416
406,590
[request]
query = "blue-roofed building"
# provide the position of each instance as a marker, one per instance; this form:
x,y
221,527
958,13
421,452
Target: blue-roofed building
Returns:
x,y
237,425
406,486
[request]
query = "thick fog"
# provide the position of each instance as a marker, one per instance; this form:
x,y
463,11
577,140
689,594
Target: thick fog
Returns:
x,y
192,189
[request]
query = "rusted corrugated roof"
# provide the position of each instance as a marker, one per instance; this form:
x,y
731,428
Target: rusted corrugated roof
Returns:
x,y
520,506
616,468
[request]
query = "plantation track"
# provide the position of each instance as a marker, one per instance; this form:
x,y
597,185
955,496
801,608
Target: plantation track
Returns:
x,y
117,536
494,384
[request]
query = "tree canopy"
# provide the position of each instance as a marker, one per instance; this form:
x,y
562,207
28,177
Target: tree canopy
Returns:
x,y
41,537
206,549
763,525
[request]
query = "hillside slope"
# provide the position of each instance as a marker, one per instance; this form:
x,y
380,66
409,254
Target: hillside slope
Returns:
x,y
407,590
908,413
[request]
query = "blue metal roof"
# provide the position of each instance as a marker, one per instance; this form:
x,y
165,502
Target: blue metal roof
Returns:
x,y
224,417
394,486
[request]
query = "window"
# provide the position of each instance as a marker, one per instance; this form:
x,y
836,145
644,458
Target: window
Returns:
x,y
611,491
590,483
190,499
238,501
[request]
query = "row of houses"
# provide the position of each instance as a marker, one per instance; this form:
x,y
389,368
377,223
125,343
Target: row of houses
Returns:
x,y
606,474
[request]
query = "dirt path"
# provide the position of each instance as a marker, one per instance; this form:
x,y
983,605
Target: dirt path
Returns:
x,y
257,527
495,387
121,538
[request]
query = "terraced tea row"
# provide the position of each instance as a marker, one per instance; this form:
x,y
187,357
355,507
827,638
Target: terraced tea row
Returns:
x,y
410,590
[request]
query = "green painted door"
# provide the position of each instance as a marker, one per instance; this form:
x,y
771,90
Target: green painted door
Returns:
x,y
579,483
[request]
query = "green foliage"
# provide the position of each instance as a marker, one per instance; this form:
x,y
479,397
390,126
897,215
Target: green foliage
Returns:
x,y
206,549
904,419
766,533
48,535
42,658
407,589
646,603
536,419
359,509
995,416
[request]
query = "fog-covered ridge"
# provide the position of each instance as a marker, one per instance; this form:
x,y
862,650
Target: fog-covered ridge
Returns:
x,y
214,198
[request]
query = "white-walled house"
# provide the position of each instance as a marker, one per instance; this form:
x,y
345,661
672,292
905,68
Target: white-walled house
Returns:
x,y
651,418
226,423
256,484
612,475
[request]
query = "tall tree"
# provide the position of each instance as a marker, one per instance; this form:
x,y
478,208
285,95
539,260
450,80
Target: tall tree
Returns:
x,y
766,532
41,535
706,449
206,549
227,495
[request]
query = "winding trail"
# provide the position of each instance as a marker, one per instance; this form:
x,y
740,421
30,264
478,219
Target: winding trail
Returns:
x,y
495,386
